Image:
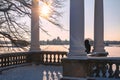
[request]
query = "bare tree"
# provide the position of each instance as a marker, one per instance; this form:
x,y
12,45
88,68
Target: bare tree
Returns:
x,y
12,13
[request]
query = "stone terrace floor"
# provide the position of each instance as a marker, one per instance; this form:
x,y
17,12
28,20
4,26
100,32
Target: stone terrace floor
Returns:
x,y
33,72
36,72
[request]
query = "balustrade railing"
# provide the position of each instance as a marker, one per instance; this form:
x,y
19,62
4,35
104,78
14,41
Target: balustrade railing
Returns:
x,y
52,58
43,57
107,67
12,59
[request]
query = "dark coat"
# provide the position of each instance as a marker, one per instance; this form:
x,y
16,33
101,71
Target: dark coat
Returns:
x,y
87,46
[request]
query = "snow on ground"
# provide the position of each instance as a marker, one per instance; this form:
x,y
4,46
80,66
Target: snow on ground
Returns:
x,y
33,72
37,72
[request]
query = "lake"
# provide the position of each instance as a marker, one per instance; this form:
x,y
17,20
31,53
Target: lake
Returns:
x,y
114,51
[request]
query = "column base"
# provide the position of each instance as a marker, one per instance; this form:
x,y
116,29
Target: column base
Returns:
x,y
99,54
75,68
77,53
35,50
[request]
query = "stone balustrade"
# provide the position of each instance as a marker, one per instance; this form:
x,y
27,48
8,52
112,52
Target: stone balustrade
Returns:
x,y
91,68
106,67
13,59
43,57
52,58
97,67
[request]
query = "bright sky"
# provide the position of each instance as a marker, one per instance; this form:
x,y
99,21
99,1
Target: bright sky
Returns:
x,y
111,22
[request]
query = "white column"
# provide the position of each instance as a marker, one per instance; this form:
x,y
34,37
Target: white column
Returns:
x,y
99,27
35,44
77,28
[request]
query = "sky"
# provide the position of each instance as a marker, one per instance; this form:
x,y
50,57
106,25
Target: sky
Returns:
x,y
111,22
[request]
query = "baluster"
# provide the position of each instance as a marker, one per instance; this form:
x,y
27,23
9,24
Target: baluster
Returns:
x,y
54,58
61,56
46,58
104,69
21,59
97,69
58,58
0,62
65,55
13,60
116,74
3,61
7,59
50,58
25,58
110,70
92,69
16,61
10,60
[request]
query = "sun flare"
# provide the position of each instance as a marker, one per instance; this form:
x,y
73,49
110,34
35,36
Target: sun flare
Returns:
x,y
45,11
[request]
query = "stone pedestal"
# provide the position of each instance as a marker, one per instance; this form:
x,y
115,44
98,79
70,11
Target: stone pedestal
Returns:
x,y
34,57
75,68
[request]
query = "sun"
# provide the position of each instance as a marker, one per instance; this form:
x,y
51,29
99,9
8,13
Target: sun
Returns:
x,y
45,10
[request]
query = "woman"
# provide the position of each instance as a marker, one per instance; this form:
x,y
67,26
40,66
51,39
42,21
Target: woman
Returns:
x,y
87,46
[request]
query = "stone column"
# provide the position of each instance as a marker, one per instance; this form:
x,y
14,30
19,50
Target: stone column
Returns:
x,y
35,44
99,28
75,65
76,28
